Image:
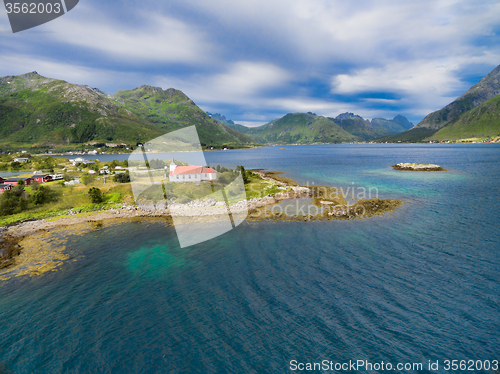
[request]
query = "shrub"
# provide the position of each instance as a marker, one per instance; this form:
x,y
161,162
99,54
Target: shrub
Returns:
x,y
15,165
40,195
95,195
122,178
88,178
8,203
184,200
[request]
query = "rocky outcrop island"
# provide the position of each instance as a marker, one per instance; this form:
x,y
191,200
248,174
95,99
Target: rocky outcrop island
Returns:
x,y
408,166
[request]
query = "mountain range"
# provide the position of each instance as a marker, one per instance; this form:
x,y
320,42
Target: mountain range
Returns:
x,y
46,113
475,114
307,128
41,112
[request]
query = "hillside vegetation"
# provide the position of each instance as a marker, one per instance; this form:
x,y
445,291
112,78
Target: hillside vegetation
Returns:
x,y
473,116
301,128
42,113
480,122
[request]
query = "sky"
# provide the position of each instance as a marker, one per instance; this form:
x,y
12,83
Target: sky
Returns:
x,y
258,60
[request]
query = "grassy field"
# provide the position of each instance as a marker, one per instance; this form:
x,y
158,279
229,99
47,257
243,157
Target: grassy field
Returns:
x,y
71,199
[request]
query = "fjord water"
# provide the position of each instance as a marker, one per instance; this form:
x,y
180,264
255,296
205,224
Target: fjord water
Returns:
x,y
419,284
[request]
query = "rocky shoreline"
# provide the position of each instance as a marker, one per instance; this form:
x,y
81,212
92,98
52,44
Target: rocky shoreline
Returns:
x,y
18,250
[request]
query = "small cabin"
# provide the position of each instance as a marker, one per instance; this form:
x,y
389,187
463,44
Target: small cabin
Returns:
x,y
5,187
13,181
42,178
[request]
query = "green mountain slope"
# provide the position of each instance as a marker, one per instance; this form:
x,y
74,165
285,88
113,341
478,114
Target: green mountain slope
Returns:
x,y
367,129
397,125
414,135
480,122
485,89
45,112
240,128
171,110
474,114
301,128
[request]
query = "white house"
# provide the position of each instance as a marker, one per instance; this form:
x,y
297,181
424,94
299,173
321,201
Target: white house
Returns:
x,y
21,159
190,173
80,160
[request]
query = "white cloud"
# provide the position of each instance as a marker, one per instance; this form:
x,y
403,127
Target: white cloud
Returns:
x,y
157,38
239,53
361,32
240,83
251,123
409,78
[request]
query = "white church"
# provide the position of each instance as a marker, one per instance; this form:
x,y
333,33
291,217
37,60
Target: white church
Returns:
x,y
190,173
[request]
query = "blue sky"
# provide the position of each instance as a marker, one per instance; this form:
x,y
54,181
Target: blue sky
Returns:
x,y
255,61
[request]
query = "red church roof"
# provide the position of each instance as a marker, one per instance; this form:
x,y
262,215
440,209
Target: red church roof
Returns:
x,y
185,170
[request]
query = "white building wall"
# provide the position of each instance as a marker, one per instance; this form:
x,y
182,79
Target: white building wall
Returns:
x,y
193,177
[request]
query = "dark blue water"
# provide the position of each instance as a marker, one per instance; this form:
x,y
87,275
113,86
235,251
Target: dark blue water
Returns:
x,y
420,284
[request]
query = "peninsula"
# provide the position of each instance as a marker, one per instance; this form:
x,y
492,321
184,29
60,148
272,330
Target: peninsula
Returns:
x,y
88,202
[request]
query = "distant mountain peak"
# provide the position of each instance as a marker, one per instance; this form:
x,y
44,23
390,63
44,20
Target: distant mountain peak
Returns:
x,y
219,117
146,87
347,115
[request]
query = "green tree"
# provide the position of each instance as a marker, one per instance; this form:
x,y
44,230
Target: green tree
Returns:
x,y
8,203
22,204
244,174
88,178
39,196
157,164
122,178
95,195
15,165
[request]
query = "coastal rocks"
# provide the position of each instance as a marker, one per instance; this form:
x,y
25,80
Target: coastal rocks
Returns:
x,y
9,249
407,166
74,182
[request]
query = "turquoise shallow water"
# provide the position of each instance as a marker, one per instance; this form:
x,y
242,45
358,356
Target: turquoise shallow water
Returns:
x,y
422,283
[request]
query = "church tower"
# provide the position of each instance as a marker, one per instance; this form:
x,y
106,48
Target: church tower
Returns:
x,y
173,165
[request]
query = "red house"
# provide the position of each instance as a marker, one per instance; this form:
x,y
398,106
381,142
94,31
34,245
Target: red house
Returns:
x,y
4,187
42,178
1,180
13,181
